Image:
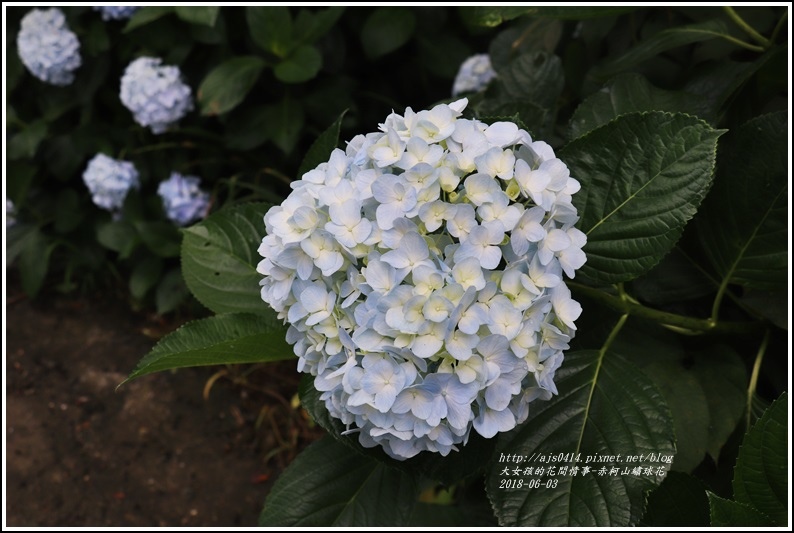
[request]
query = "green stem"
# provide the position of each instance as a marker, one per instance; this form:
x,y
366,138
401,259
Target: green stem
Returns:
x,y
715,307
624,305
614,333
743,44
749,30
780,25
754,377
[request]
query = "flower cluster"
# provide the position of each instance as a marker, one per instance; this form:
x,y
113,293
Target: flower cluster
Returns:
x,y
47,47
109,180
155,94
473,75
421,272
183,200
116,12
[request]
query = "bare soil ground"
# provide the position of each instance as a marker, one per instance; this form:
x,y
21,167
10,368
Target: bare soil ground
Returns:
x,y
154,452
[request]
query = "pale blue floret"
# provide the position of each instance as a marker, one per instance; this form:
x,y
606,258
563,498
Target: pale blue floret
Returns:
x,y
109,181
49,50
155,94
474,75
184,202
116,12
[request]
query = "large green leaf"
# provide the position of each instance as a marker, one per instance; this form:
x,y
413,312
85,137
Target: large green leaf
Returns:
x,y
629,93
743,225
760,477
386,30
661,42
218,340
34,262
204,15
271,28
705,390
228,83
311,25
607,407
145,15
680,501
145,275
329,484
24,144
321,149
728,513
643,177
219,259
535,76
674,280
494,16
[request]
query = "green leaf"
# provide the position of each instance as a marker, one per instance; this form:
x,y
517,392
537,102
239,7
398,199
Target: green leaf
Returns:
x,y
675,279
271,28
629,93
727,513
19,176
661,42
302,65
643,177
249,127
19,237
233,338
162,238
329,484
286,122
219,258
770,305
580,12
34,261
171,291
321,149
145,15
145,275
311,25
605,406
68,214
723,377
680,501
490,17
205,15
534,76
228,84
24,143
760,477
743,223
119,236
386,30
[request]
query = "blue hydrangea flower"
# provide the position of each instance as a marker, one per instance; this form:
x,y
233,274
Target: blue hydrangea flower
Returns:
x,y
155,94
10,213
116,12
421,273
47,47
474,75
183,200
109,180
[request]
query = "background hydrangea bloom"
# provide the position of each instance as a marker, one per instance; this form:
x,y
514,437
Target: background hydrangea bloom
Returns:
x,y
116,12
47,47
10,213
474,74
155,94
183,200
109,180
421,273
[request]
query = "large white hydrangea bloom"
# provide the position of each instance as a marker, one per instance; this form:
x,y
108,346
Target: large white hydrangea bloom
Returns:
x,y
49,50
155,93
421,272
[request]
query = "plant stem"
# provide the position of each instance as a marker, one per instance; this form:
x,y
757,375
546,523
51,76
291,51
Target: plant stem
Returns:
x,y
614,333
734,16
743,44
754,377
780,25
624,305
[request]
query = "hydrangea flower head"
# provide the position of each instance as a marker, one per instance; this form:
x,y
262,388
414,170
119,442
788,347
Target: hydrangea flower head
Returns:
x,y
116,12
421,273
183,200
11,219
474,75
109,181
49,50
155,93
